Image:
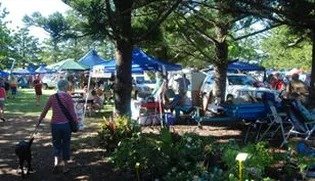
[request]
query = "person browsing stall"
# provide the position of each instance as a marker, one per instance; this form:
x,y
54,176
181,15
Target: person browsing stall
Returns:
x,y
297,89
183,84
2,99
13,85
37,83
60,126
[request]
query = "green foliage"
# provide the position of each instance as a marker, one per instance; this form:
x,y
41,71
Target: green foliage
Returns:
x,y
168,156
114,131
193,32
259,158
26,47
280,52
296,161
56,25
5,40
244,49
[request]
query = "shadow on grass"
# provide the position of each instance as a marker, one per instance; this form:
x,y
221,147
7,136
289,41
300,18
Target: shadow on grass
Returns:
x,y
22,113
24,103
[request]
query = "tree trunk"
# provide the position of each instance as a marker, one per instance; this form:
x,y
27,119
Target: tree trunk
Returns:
x,y
55,53
220,72
221,63
123,83
312,86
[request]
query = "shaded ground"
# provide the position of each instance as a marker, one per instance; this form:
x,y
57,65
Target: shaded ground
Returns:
x,y
87,162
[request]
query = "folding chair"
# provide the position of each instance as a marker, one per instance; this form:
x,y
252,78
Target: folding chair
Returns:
x,y
276,120
150,113
303,122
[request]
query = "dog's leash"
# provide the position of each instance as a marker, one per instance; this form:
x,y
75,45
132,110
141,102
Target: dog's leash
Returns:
x,y
34,132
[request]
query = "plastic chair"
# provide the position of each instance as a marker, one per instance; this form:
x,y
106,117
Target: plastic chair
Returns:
x,y
276,120
150,113
301,119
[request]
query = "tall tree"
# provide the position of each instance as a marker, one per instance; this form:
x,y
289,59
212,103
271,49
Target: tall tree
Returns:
x,y
55,24
25,47
5,40
202,31
114,20
297,14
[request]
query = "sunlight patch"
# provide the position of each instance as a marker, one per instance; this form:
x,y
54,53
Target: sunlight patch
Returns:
x,y
89,150
83,177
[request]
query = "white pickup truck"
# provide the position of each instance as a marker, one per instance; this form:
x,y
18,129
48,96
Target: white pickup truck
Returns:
x,y
237,85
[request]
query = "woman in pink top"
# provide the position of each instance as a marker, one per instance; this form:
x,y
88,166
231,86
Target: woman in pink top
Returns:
x,y
2,99
60,128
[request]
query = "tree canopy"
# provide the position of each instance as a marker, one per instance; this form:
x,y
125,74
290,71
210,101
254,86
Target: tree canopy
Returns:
x,y
5,40
282,51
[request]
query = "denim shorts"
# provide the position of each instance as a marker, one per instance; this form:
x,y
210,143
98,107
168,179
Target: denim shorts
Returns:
x,y
61,137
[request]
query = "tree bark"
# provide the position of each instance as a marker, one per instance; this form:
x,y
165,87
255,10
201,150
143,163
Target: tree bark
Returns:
x,y
312,86
221,63
220,72
123,83
55,47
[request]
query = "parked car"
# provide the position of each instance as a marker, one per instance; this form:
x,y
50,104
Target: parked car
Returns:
x,y
237,85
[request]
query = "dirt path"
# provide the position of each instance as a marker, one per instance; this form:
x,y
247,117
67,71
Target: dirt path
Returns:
x,y
87,161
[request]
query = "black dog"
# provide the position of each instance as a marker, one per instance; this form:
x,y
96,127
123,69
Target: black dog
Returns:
x,y
23,151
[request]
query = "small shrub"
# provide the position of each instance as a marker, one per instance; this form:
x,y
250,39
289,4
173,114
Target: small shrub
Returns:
x,y
113,131
167,156
259,159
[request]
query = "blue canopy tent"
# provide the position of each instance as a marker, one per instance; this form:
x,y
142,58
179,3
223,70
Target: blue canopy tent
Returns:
x,y
244,66
43,70
110,67
237,66
3,74
31,67
21,71
142,62
168,66
91,58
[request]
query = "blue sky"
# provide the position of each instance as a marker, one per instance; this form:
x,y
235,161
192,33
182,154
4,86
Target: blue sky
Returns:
x,y
19,8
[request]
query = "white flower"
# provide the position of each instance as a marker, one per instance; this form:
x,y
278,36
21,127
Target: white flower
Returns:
x,y
189,139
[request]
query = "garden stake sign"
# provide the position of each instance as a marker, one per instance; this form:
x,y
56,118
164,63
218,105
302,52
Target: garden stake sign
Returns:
x,y
137,167
241,157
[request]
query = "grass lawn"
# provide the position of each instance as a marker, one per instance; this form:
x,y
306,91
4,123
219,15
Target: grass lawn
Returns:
x,y
24,105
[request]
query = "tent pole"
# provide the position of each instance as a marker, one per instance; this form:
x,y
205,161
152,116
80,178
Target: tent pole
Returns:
x,y
86,97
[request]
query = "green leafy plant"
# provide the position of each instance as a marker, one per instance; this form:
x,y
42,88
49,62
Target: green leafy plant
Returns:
x,y
296,162
259,159
168,156
113,131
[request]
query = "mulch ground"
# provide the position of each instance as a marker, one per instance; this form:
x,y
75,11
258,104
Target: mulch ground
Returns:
x,y
87,160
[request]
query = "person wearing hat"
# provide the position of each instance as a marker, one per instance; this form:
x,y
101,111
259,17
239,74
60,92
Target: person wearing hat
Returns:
x,y
37,83
277,83
297,89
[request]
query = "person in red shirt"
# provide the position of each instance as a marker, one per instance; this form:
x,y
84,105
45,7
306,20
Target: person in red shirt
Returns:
x,y
277,82
60,126
2,99
37,83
